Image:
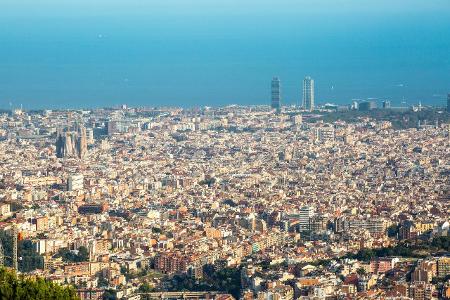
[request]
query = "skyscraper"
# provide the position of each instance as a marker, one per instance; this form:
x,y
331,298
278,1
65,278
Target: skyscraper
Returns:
x,y
276,94
306,213
448,102
308,93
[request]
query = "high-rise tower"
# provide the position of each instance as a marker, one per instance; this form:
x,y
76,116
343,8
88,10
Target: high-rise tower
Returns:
x,y
308,93
448,102
276,94
306,213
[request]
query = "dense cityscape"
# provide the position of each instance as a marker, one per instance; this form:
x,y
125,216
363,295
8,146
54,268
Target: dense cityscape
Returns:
x,y
235,202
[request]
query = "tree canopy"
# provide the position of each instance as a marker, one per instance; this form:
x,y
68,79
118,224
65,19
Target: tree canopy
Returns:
x,y
70,256
30,259
14,287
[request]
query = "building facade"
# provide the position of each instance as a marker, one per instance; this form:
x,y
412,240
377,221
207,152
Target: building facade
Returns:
x,y
308,93
276,94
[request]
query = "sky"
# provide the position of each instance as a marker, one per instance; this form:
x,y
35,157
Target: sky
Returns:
x,y
73,54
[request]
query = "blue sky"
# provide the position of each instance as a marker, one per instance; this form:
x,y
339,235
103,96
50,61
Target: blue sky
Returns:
x,y
86,7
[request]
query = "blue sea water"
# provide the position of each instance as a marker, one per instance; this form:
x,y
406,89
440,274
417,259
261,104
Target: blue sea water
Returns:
x,y
197,53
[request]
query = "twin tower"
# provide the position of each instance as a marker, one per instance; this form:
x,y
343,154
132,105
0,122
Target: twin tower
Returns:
x,y
308,94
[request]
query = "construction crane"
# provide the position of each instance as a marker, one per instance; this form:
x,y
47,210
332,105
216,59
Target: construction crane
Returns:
x,y
15,259
2,255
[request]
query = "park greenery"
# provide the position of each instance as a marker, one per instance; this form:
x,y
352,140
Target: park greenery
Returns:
x,y
29,259
74,256
214,279
24,288
413,249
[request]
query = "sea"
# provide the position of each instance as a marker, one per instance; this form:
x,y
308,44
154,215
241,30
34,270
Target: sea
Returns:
x,y
87,56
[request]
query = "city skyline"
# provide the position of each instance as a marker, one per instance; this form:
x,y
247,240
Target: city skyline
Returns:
x,y
224,150
247,201
440,100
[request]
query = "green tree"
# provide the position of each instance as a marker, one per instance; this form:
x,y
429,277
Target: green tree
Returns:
x,y
361,271
71,256
30,259
109,295
13,287
83,253
226,280
441,243
392,230
146,288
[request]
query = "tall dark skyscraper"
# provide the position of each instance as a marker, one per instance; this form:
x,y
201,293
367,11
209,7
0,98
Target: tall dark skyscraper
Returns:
x,y
308,93
276,94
